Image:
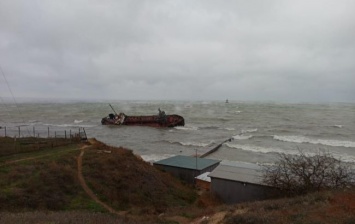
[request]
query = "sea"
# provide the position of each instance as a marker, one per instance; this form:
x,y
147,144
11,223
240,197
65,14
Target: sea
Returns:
x,y
259,132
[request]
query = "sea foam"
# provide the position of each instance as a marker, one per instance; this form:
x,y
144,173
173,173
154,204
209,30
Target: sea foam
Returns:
x,y
187,128
155,157
78,121
249,130
242,137
253,148
327,142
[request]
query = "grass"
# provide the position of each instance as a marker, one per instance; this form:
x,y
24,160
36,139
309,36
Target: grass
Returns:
x,y
46,189
124,181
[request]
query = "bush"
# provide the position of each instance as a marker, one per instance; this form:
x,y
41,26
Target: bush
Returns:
x,y
303,173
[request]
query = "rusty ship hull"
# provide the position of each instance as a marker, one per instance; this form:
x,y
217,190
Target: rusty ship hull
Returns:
x,y
151,120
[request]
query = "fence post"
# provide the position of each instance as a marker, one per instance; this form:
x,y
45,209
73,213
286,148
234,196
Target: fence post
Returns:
x,y
48,132
5,131
19,131
34,132
65,134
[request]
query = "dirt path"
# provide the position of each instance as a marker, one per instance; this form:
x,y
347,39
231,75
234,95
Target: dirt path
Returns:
x,y
88,190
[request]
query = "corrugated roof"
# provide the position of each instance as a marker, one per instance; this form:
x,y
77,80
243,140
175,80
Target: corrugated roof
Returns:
x,y
240,174
188,162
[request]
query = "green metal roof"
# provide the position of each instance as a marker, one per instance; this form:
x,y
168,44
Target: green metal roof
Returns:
x,y
188,162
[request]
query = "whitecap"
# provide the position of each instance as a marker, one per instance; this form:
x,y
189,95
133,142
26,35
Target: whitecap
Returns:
x,y
259,149
242,137
342,157
78,121
338,126
187,128
196,144
249,130
155,157
327,142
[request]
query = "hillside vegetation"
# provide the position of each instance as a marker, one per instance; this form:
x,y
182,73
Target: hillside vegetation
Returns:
x,y
42,185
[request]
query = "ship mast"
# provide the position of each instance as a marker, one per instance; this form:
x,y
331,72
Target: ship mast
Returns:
x,y
113,109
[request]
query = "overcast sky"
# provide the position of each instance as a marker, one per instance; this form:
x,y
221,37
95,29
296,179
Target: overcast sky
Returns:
x,y
255,50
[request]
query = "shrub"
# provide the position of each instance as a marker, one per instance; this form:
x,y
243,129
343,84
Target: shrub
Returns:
x,y
303,173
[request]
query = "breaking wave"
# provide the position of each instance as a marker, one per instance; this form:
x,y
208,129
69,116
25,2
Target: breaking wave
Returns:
x,y
337,126
195,144
228,129
258,149
78,121
242,137
70,125
327,142
155,157
187,128
249,130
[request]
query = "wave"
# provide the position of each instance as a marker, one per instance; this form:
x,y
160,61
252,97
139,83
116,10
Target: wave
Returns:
x,y
78,121
242,137
228,129
155,157
70,125
33,121
327,142
195,144
253,148
187,128
337,126
209,127
258,149
249,130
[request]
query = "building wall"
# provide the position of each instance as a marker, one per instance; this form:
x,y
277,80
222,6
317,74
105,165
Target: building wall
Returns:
x,y
203,184
187,175
235,192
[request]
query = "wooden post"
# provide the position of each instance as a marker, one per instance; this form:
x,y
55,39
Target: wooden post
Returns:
x,y
5,131
65,134
48,132
19,131
34,132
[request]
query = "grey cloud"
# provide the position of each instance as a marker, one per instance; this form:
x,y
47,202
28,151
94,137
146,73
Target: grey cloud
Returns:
x,y
244,50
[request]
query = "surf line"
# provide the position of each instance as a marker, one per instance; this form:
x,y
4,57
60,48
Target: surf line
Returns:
x,y
211,149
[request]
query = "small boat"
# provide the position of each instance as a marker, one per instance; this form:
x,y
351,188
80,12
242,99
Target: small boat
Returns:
x,y
159,120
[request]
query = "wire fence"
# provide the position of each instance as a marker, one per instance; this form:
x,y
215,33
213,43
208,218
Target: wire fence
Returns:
x,y
16,140
25,131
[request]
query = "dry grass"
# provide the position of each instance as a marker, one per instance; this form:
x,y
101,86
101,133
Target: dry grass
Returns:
x,y
126,182
47,190
321,207
62,217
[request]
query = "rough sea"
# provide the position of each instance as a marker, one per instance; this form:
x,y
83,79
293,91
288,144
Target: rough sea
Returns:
x,y
259,130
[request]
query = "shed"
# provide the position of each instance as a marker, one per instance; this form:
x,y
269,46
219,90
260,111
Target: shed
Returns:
x,y
203,181
235,184
186,167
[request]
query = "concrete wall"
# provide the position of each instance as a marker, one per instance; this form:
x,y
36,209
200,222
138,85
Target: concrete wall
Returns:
x,y
235,192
